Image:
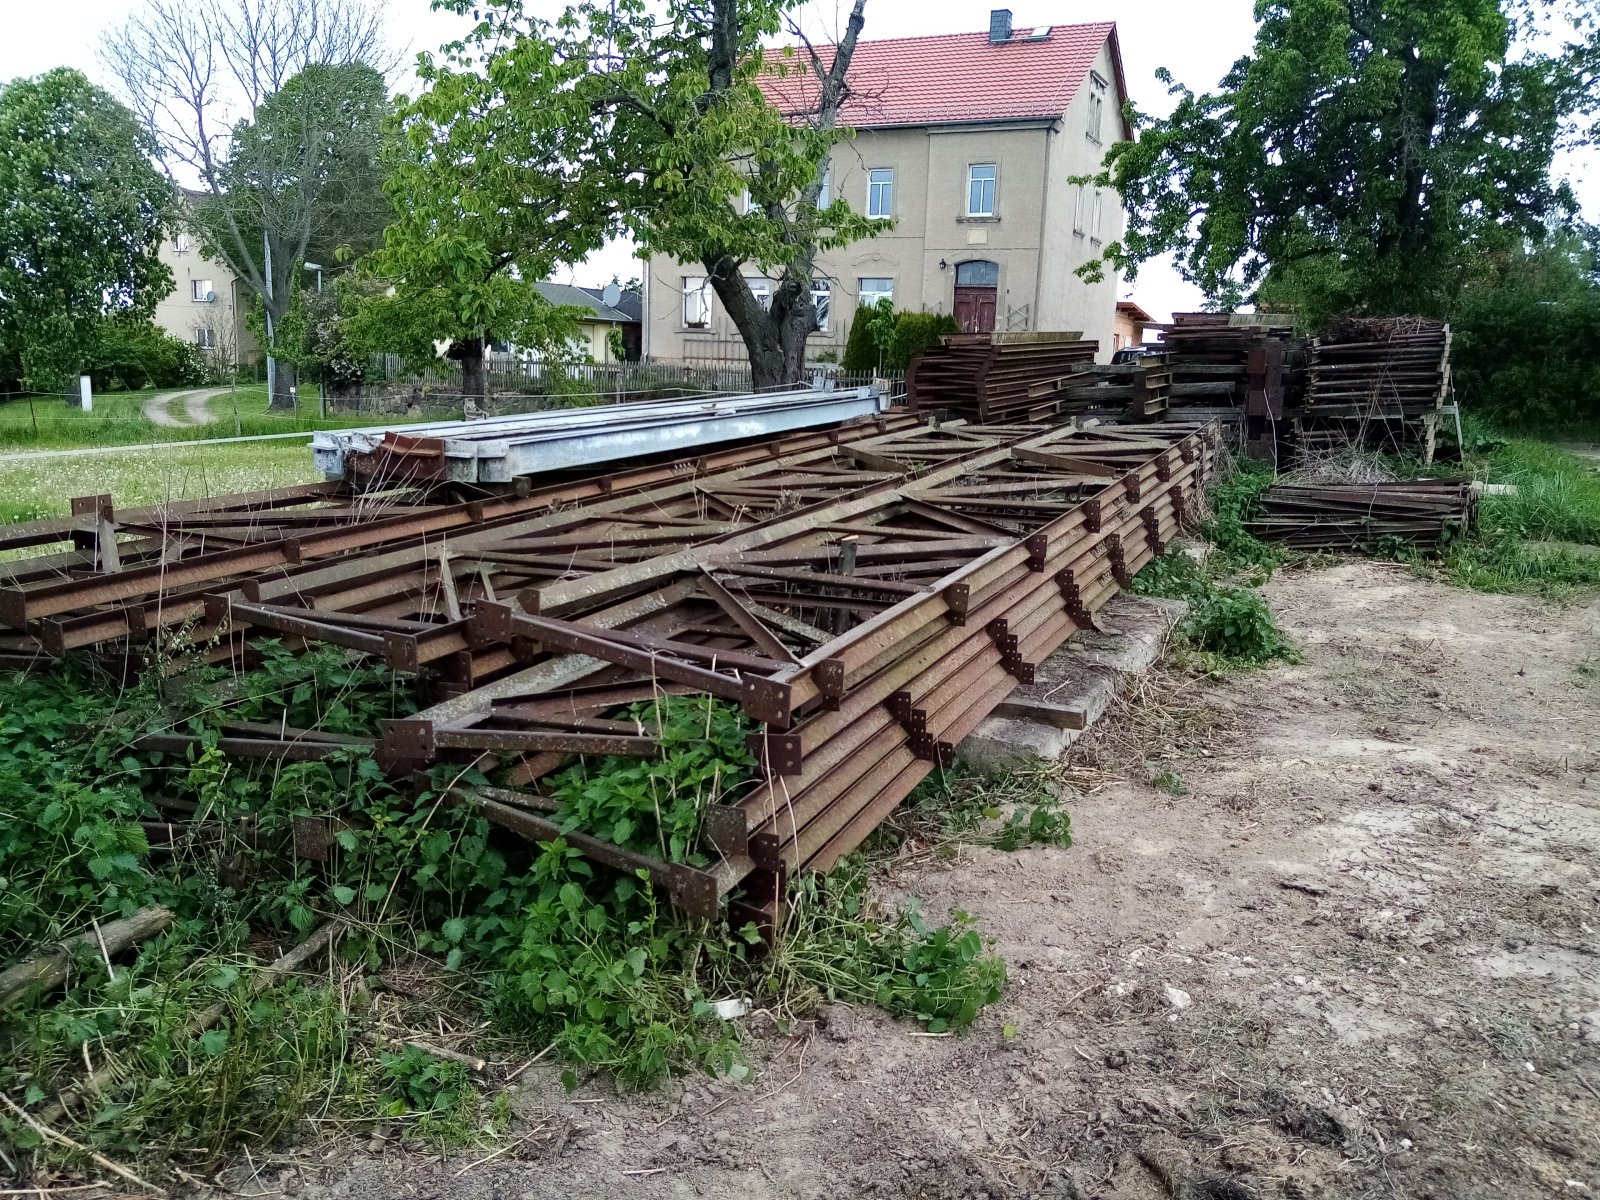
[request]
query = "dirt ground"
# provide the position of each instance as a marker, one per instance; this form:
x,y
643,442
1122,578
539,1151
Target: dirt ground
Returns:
x,y
1356,958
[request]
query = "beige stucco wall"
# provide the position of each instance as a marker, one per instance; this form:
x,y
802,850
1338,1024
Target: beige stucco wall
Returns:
x,y
1030,237
181,315
1066,302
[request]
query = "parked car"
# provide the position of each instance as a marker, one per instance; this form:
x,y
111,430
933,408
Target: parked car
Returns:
x,y
1130,354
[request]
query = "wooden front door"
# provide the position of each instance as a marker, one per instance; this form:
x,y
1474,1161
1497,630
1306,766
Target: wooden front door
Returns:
x,y
975,308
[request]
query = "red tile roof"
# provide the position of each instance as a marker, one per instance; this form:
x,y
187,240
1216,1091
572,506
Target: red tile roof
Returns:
x,y
954,78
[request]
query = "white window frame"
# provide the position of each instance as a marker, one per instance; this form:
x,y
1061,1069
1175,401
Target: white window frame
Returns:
x,y
180,243
746,202
198,289
880,193
866,298
1098,217
1098,88
696,300
205,337
825,196
1079,204
993,180
822,298
761,288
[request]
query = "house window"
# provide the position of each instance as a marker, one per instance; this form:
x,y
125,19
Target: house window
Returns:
x,y
880,192
696,302
978,272
746,204
1099,212
1079,197
1097,107
201,291
761,289
205,337
980,190
822,297
180,243
873,290
825,196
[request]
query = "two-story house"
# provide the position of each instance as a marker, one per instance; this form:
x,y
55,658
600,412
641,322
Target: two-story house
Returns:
x,y
966,147
207,305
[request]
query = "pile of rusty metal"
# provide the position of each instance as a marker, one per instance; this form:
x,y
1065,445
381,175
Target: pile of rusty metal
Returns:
x,y
1372,382
1424,513
1376,382
1137,391
866,595
996,378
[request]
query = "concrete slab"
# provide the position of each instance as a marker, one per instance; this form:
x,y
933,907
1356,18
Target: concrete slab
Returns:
x,y
1082,677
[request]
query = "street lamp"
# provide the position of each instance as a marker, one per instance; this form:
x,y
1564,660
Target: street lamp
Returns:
x,y
318,268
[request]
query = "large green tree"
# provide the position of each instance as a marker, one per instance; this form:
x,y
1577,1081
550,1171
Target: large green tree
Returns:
x,y
1362,157
276,107
82,207
489,198
652,116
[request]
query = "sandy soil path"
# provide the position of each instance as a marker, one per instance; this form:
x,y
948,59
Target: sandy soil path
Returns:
x,y
158,408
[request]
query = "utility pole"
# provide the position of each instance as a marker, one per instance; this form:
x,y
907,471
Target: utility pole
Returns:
x,y
272,362
322,385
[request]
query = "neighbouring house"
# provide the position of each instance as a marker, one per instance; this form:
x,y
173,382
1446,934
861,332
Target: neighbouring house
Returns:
x,y
1132,321
594,338
207,305
969,144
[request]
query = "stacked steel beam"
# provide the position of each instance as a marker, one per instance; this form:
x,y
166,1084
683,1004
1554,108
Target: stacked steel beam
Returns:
x,y
995,378
503,449
1377,381
1211,359
867,596
1424,513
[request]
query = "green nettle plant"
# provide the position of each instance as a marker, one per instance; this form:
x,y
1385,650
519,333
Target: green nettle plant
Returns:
x,y
654,805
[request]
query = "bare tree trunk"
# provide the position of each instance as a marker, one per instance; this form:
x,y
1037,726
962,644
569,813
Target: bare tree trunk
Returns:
x,y
775,337
469,353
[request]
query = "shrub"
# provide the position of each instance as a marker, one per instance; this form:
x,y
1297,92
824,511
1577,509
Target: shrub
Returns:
x,y
912,332
136,354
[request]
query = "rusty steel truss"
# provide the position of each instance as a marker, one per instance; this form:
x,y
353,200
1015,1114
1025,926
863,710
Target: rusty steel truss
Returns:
x,y
867,596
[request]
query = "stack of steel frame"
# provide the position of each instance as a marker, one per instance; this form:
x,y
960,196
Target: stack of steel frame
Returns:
x,y
868,595
1424,513
995,378
1376,381
503,449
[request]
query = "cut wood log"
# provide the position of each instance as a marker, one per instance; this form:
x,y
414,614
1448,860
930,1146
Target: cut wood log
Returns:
x,y
1061,716
50,969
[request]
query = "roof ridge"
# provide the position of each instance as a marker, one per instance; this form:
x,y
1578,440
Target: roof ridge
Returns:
x,y
942,37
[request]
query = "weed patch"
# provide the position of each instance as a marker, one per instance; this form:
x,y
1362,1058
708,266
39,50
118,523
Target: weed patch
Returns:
x,y
964,806
542,948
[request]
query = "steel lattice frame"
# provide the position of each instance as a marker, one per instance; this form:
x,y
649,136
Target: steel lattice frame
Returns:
x,y
868,595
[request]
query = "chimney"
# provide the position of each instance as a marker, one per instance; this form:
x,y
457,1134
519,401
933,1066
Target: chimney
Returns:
x,y
999,26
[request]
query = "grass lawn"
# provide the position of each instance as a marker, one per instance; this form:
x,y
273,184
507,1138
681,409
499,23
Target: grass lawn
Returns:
x,y
1544,538
119,418
43,487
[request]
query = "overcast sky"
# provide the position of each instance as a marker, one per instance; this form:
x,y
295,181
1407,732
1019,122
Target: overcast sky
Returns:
x,y
1197,39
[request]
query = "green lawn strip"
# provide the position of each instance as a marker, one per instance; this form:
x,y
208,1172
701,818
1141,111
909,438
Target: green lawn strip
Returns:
x,y
34,488
119,418
1540,539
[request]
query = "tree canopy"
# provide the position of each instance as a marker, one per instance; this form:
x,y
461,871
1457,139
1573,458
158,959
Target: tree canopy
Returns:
x,y
652,118
277,106
82,207
1362,158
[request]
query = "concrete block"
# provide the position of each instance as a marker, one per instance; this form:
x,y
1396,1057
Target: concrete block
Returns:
x,y
1085,674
